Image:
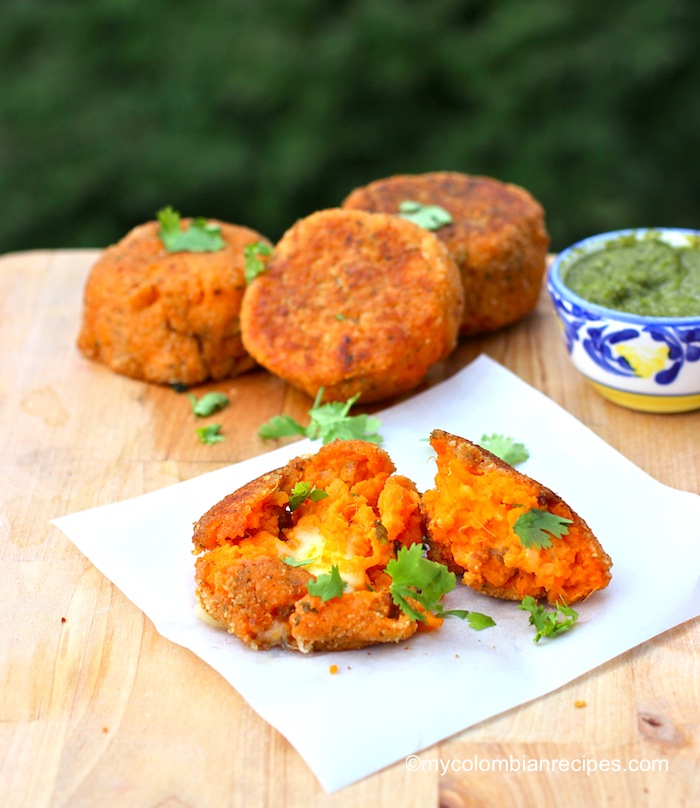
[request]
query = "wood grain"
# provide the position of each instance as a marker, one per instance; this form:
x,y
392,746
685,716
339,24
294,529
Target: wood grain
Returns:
x,y
97,709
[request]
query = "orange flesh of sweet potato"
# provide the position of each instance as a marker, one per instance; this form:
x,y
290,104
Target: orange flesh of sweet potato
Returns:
x,y
470,517
245,584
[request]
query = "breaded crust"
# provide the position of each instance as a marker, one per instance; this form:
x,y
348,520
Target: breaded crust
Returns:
x,y
470,516
354,302
257,553
497,237
356,620
167,317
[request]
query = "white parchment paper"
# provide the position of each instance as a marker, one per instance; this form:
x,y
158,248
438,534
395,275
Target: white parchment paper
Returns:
x,y
457,676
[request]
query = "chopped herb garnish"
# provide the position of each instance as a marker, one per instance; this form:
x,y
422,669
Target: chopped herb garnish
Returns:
x,y
476,620
547,622
199,236
381,532
479,621
281,426
535,528
210,434
292,562
328,585
418,578
506,448
303,491
208,404
431,217
254,264
328,422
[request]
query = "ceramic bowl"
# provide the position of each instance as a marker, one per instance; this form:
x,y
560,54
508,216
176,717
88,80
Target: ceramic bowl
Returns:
x,y
641,362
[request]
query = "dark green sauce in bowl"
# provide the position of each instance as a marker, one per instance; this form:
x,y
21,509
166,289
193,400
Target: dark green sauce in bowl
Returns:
x,y
644,276
628,303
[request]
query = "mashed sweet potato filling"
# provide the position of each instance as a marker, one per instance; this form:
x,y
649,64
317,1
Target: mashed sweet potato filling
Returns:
x,y
261,547
259,552
471,514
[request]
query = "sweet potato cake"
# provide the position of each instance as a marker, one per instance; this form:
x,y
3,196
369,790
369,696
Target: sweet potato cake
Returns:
x,y
168,317
342,512
472,526
353,302
497,237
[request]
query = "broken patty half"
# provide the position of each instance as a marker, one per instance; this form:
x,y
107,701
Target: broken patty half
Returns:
x,y
482,520
342,512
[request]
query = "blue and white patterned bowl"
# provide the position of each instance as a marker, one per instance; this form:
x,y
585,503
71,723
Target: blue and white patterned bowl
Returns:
x,y
644,363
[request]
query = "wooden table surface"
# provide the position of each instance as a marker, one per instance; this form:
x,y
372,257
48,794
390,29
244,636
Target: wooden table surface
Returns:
x,y
97,709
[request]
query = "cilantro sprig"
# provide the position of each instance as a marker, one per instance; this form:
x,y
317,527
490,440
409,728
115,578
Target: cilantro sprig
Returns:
x,y
536,528
290,561
327,422
209,434
328,585
208,404
431,217
254,264
476,620
549,622
505,447
302,491
418,578
199,236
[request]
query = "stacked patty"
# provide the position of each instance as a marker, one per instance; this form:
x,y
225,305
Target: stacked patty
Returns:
x,y
497,237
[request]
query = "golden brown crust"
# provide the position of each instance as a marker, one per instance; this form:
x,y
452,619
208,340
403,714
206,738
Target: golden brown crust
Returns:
x,y
498,239
470,516
354,621
167,317
354,302
245,539
254,507
253,597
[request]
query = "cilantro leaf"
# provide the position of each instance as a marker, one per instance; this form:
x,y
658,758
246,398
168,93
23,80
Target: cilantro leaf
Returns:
x,y
254,265
280,426
292,562
420,579
199,236
303,491
506,448
327,422
479,621
328,585
476,620
210,434
547,622
332,420
431,217
535,527
208,404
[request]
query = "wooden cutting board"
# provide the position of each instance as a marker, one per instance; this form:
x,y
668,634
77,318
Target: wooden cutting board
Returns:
x,y
97,709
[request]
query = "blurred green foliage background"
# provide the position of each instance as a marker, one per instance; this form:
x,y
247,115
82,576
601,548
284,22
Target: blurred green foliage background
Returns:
x,y
259,112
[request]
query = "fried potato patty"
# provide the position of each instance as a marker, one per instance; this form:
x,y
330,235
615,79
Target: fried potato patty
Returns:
x,y
497,237
470,516
167,317
260,546
354,302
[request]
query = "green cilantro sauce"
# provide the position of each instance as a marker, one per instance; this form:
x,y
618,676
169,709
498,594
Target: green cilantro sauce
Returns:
x,y
645,277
